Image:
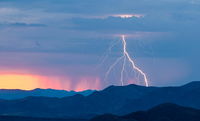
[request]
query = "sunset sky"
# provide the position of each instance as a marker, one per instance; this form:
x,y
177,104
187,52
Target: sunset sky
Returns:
x,y
63,44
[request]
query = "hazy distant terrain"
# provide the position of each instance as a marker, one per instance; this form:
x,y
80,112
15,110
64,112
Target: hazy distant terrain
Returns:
x,y
17,94
119,100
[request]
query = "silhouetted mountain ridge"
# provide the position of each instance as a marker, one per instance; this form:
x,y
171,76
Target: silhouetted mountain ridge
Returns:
x,y
117,100
163,112
17,94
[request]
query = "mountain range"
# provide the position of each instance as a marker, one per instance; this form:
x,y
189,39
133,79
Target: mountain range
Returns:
x,y
162,112
118,100
10,94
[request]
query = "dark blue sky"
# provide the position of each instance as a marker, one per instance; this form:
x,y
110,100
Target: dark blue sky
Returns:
x,y
67,39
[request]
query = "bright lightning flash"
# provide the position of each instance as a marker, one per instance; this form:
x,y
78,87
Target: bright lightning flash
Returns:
x,y
126,58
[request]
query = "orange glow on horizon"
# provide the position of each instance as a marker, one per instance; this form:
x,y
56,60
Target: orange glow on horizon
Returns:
x,y
15,81
29,82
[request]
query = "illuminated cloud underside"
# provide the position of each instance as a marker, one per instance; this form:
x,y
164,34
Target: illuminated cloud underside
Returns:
x,y
124,16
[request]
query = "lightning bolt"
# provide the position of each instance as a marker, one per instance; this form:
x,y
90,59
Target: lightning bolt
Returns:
x,y
112,67
126,58
126,54
106,55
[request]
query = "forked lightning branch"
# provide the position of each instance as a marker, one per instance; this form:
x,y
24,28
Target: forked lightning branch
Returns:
x,y
126,58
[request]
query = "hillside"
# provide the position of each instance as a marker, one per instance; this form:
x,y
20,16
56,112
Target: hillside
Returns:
x,y
163,112
118,100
